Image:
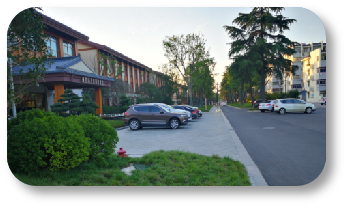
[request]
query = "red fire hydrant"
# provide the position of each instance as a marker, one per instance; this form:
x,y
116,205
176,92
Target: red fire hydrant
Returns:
x,y
121,153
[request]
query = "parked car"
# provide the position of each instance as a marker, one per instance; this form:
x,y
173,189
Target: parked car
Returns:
x,y
267,106
184,107
151,115
257,102
323,101
197,110
171,109
282,106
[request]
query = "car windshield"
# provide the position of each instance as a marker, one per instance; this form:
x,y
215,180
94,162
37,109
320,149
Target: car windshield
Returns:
x,y
164,108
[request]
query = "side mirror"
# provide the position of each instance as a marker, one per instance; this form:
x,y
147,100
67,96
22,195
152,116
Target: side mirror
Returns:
x,y
161,111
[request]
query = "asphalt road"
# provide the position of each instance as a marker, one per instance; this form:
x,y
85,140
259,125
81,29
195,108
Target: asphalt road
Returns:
x,y
289,150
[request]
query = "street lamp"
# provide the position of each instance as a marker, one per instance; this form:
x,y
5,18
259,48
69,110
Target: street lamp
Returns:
x,y
187,97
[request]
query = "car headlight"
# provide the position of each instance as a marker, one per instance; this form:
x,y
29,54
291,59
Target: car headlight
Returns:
x,y
182,115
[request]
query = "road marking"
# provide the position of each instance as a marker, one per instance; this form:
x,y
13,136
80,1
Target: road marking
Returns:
x,y
268,127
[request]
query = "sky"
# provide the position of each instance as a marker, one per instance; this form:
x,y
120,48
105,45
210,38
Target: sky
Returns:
x,y
138,32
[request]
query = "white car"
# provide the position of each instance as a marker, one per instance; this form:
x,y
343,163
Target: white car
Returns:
x,y
267,106
282,106
323,101
171,109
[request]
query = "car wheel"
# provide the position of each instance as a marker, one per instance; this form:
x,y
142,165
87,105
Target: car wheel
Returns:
x,y
174,123
282,111
272,110
322,103
325,102
262,111
134,124
308,110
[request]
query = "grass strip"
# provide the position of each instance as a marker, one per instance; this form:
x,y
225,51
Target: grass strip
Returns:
x,y
246,105
164,168
115,123
203,108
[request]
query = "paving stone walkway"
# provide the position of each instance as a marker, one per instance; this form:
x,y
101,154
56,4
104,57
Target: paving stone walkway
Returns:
x,y
208,135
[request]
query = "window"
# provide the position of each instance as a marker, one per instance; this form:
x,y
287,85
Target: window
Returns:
x,y
323,56
308,83
317,58
316,47
296,86
296,76
52,46
322,82
154,109
68,49
135,74
323,69
285,101
142,109
296,101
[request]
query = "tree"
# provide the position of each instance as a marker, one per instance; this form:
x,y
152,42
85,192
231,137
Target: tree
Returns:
x,y
170,80
124,103
260,35
86,105
25,46
244,69
150,93
183,52
203,75
69,101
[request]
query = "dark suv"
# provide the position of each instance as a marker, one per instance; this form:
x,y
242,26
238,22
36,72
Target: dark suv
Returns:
x,y
151,115
184,107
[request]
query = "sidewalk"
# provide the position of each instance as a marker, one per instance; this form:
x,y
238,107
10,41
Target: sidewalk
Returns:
x,y
209,135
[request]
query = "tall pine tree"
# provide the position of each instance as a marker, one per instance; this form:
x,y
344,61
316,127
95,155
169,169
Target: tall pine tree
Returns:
x,y
259,34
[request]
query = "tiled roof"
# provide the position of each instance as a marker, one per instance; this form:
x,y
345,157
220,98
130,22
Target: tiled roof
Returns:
x,y
62,27
62,65
114,52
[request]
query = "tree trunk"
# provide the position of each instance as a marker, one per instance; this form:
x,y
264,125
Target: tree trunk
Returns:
x,y
205,103
242,94
251,90
263,68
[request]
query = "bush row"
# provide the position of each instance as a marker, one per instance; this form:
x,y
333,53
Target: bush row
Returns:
x,y
38,139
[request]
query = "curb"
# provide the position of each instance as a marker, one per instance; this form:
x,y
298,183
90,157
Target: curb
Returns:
x,y
254,173
126,127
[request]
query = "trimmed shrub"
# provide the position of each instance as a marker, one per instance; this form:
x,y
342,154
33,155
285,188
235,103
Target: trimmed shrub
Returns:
x,y
103,137
54,142
109,109
27,115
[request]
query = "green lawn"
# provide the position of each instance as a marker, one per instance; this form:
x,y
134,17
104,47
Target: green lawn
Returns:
x,y
246,105
164,168
203,108
115,123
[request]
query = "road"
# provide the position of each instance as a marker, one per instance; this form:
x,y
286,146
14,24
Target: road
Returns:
x,y
289,150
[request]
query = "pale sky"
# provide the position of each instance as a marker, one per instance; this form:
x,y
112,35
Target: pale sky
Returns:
x,y
138,32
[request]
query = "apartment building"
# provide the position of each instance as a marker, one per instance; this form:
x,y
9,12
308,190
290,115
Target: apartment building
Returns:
x,y
314,75
296,81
